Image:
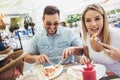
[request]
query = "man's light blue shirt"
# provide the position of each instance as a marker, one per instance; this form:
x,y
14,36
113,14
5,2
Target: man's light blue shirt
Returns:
x,y
53,46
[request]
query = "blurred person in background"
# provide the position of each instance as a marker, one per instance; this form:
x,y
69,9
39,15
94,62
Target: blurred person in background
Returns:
x,y
52,40
63,24
29,24
2,24
2,46
3,34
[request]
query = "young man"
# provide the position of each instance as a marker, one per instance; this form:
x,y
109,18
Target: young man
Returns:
x,y
49,43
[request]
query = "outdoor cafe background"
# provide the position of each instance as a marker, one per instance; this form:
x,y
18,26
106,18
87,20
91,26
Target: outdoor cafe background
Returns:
x,y
16,12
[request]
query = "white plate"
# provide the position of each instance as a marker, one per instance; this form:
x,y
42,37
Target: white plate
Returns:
x,y
76,70
3,56
57,72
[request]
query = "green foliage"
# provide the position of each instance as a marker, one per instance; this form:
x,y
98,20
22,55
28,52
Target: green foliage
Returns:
x,y
117,10
112,12
73,18
14,22
69,19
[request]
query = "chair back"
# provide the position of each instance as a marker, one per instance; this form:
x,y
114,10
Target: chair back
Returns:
x,y
7,51
9,65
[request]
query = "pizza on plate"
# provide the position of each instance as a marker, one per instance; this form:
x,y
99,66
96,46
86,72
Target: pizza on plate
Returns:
x,y
52,71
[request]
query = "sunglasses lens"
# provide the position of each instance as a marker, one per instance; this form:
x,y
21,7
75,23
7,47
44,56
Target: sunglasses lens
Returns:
x,y
48,24
56,24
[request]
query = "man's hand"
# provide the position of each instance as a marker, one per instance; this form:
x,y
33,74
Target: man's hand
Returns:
x,y
42,58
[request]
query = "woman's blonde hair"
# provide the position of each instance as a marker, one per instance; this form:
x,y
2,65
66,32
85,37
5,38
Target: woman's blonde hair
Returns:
x,y
105,31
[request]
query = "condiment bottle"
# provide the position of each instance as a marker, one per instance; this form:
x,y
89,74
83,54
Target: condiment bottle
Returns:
x,y
89,73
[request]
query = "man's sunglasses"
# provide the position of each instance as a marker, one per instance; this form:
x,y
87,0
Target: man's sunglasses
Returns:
x,y
49,24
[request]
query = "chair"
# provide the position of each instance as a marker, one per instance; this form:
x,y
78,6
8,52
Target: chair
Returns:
x,y
9,65
7,51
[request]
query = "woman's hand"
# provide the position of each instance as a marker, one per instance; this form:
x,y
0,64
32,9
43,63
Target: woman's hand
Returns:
x,y
95,43
84,60
112,51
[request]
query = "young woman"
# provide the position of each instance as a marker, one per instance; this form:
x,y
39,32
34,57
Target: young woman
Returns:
x,y
95,24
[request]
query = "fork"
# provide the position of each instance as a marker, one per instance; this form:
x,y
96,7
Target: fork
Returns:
x,y
60,62
97,39
51,63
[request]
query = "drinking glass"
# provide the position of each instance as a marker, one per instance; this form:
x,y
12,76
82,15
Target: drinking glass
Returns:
x,y
38,72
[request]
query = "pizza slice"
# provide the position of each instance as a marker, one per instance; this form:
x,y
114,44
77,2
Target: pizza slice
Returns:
x,y
51,70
